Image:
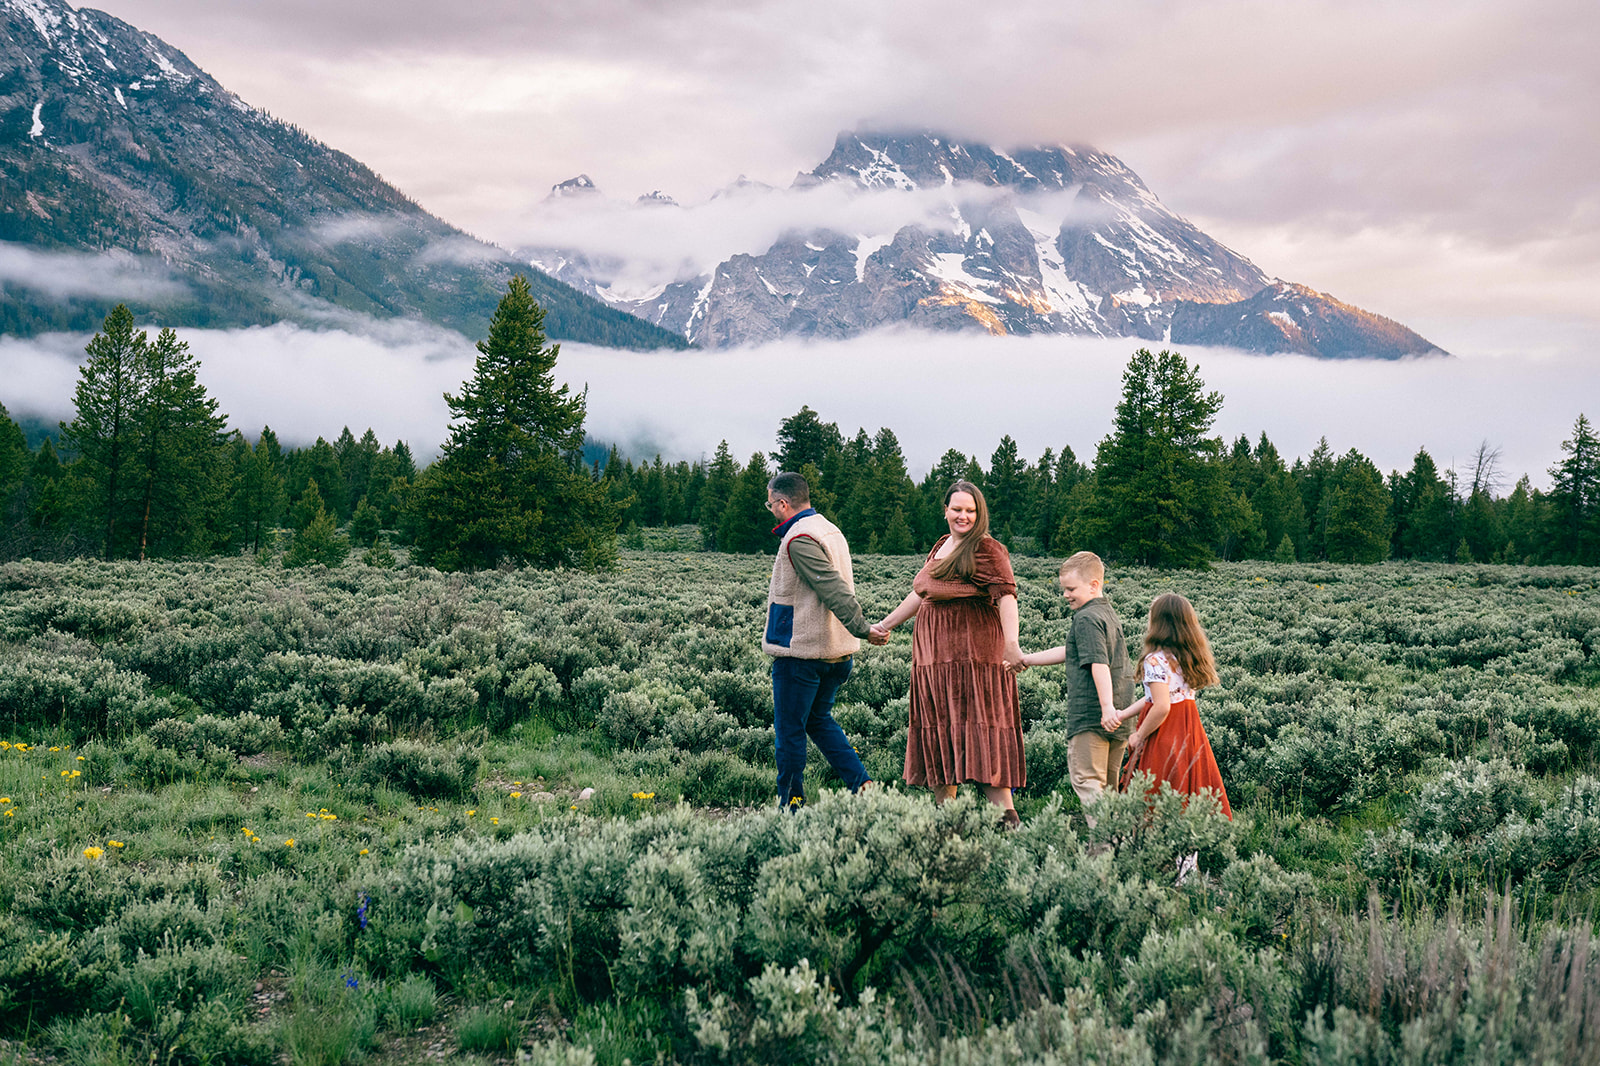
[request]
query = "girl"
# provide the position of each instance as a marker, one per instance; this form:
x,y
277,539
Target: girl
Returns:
x,y
1170,742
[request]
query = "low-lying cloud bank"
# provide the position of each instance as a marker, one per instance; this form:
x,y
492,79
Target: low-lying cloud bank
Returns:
x,y
115,274
1519,384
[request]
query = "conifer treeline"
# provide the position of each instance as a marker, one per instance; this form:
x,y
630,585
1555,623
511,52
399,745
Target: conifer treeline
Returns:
x,y
1320,507
148,471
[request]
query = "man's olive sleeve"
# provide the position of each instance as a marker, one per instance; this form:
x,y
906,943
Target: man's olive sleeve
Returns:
x,y
811,562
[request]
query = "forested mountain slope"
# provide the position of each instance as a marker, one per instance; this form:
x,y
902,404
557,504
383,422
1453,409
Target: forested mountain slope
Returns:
x,y
127,174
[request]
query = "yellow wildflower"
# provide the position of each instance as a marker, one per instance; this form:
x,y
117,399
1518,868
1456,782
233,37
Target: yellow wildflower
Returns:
x,y
471,813
55,749
330,817
289,843
5,799
93,853
81,759
363,851
116,843
516,795
11,812
77,773
496,821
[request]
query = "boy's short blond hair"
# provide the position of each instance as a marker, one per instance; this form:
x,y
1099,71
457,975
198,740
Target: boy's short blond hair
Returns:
x,y
1085,565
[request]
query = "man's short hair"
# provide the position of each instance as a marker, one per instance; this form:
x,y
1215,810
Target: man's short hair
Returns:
x,y
792,487
1086,565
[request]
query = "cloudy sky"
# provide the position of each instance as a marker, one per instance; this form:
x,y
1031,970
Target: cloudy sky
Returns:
x,y
1422,158
1436,161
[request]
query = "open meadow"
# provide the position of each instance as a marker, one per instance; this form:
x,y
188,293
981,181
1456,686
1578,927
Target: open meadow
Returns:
x,y
250,814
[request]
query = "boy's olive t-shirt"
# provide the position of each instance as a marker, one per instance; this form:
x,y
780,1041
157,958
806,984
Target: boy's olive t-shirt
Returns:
x,y
1096,637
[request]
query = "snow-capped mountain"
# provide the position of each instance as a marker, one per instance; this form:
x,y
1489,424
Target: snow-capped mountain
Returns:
x,y
1049,239
128,174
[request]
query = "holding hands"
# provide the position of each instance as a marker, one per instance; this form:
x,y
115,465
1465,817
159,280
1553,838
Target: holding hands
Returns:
x,y
878,634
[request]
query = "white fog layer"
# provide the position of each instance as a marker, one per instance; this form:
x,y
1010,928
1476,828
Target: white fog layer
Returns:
x,y
1520,384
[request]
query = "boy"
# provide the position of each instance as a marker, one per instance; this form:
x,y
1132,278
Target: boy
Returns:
x,y
1099,679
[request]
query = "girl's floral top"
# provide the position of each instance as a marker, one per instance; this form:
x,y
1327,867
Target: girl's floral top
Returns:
x,y
1161,666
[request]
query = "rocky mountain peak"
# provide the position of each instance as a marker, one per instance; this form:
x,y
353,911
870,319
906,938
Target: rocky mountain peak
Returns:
x,y
582,185
1033,239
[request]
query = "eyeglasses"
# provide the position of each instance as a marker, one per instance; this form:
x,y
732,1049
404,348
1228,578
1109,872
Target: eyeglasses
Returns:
x,y
772,505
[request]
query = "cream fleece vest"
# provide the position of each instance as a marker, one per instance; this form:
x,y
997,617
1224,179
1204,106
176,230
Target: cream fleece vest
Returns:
x,y
798,625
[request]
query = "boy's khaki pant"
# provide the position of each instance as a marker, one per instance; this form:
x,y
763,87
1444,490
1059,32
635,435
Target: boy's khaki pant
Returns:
x,y
1093,763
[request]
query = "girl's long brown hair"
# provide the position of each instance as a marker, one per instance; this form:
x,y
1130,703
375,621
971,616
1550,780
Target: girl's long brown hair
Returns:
x,y
960,564
1175,629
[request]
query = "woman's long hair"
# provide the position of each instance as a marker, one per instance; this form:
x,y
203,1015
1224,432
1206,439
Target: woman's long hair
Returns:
x,y
960,564
1175,629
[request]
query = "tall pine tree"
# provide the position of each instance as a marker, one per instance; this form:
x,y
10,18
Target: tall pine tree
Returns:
x,y
1154,474
510,484
109,399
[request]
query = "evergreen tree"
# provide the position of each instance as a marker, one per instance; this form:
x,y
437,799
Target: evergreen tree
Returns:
x,y
364,524
720,482
511,484
1358,512
804,438
14,454
887,489
1313,474
693,483
182,474
405,465
1574,498
320,463
319,542
307,506
357,462
109,399
50,497
1277,500
1525,521
652,492
1481,523
853,486
1154,475
14,504
1285,552
1424,512
746,523
258,496
896,539
1056,512
821,498
1005,488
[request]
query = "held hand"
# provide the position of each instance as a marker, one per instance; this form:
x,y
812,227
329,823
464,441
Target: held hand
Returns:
x,y
1110,720
1015,661
878,634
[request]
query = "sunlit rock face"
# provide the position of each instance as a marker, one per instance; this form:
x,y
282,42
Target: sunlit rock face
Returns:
x,y
1047,239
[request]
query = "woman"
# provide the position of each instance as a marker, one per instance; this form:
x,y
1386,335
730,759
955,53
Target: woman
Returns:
x,y
966,723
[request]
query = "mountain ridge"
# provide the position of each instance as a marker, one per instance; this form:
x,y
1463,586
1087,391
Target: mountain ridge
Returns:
x,y
113,141
1112,261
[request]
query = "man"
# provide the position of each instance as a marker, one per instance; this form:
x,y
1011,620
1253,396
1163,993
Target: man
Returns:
x,y
813,626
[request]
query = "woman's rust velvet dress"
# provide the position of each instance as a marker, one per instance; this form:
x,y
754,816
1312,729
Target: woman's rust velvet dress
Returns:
x,y
966,723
